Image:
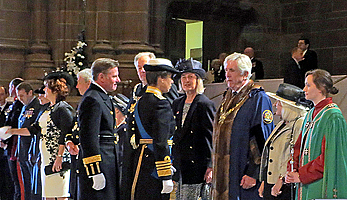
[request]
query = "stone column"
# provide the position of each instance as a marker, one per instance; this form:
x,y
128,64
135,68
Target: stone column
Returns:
x,y
131,34
103,24
14,34
39,59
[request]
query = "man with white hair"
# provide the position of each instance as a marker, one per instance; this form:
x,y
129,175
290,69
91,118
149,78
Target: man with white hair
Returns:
x,y
84,78
242,124
140,60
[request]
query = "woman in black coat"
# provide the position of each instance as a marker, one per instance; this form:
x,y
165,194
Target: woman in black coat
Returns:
x,y
192,141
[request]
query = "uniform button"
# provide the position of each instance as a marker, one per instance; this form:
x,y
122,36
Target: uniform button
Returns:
x,y
175,127
191,131
192,161
173,143
270,160
191,147
270,173
146,156
271,148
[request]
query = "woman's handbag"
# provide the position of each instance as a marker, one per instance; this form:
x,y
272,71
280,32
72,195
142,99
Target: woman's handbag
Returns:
x,y
64,167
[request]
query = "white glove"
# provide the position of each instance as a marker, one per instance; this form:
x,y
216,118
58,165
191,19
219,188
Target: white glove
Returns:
x,y
99,181
173,170
167,186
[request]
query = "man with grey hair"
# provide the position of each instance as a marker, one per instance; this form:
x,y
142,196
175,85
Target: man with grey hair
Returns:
x,y
257,65
140,60
242,124
84,78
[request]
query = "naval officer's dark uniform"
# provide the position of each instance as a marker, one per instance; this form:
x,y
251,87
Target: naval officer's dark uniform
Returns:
x,y
153,155
98,149
74,165
27,116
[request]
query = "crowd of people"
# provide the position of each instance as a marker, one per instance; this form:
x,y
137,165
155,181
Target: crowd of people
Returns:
x,y
169,137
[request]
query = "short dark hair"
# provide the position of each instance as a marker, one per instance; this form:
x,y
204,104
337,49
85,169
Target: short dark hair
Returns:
x,y
103,65
16,81
307,41
24,85
323,81
152,76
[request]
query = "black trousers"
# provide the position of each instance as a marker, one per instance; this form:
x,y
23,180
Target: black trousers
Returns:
x,y
109,168
6,184
14,176
26,170
73,177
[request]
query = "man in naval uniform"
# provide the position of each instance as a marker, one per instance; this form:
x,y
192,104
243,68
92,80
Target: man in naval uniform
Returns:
x,y
151,125
28,115
97,123
242,124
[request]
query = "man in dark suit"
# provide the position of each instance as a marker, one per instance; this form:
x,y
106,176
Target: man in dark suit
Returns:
x,y
6,185
97,123
257,65
12,120
294,74
151,124
310,57
27,116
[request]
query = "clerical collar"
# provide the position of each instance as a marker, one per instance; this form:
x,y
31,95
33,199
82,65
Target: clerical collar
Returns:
x,y
241,87
100,87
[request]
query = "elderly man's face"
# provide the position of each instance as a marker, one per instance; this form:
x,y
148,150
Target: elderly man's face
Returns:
x,y
233,75
82,85
249,52
141,70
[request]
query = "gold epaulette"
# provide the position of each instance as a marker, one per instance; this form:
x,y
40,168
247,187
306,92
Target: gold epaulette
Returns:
x,y
90,163
164,167
156,92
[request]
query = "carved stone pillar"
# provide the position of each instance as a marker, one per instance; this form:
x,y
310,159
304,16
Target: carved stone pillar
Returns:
x,y
39,59
131,34
103,23
14,34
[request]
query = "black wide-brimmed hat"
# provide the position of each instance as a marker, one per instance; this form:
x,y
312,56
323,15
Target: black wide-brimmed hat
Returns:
x,y
160,64
292,95
40,90
121,102
60,74
190,65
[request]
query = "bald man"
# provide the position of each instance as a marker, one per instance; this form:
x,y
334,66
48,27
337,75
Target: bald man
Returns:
x,y
257,65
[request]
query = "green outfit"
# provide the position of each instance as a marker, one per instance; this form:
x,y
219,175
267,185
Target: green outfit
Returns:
x,y
328,123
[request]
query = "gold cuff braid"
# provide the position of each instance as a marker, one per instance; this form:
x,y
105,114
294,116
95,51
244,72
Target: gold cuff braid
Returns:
x,y
92,159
